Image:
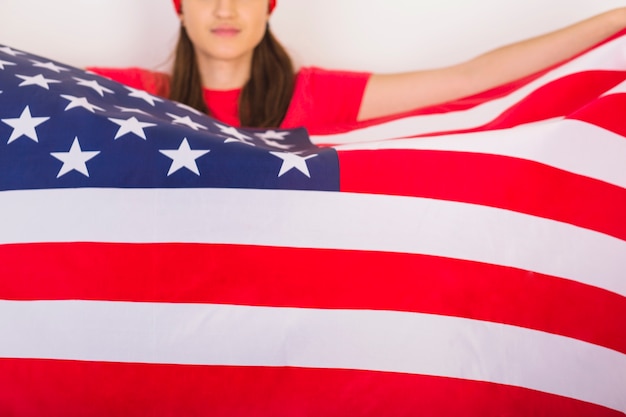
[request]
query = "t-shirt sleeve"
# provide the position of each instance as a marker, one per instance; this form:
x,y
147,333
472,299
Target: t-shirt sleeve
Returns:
x,y
153,82
324,98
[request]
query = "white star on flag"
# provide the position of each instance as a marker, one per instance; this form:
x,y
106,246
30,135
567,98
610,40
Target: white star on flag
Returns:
x,y
271,136
74,160
291,161
184,157
131,110
25,125
3,63
186,121
38,80
143,95
236,136
10,51
76,102
131,125
48,65
94,85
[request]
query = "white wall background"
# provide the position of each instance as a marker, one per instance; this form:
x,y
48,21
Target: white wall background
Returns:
x,y
383,36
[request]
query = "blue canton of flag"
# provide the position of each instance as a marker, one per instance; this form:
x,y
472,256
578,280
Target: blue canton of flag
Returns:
x,y
63,127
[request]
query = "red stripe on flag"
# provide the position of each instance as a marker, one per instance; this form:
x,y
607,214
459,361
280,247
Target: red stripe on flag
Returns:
x,y
111,389
489,180
557,98
607,112
223,274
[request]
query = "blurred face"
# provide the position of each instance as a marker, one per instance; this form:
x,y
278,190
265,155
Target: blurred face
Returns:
x,y
225,30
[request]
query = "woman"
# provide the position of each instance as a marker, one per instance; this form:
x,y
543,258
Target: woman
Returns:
x,y
229,65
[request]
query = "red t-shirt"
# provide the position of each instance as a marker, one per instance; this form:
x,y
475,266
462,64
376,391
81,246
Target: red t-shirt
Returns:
x,y
322,98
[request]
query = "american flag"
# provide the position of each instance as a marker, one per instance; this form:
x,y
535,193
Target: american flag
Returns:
x,y
466,259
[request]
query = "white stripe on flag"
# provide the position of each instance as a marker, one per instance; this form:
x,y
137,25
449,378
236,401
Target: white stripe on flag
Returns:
x,y
311,338
571,145
609,57
310,219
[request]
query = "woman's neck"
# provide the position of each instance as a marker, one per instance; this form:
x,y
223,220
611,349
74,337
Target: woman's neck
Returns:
x,y
224,75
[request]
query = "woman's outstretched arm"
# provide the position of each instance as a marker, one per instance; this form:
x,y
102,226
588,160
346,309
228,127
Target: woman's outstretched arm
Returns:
x,y
387,94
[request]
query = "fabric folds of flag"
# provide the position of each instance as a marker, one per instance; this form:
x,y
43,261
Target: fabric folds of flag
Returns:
x,y
466,259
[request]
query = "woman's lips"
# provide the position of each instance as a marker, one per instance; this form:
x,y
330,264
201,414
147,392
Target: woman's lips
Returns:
x,y
225,31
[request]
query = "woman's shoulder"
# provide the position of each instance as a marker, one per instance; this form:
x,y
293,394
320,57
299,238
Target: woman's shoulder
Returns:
x,y
322,82
154,82
314,72
325,97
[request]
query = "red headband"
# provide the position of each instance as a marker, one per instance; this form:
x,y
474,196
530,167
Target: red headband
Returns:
x,y
177,5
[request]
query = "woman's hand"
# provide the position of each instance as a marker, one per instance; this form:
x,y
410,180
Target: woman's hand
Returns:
x,y
388,94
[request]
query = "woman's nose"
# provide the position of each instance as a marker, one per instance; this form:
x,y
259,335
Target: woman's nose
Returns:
x,y
225,8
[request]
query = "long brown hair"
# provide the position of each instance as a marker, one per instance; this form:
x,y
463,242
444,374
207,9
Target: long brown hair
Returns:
x,y
264,99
